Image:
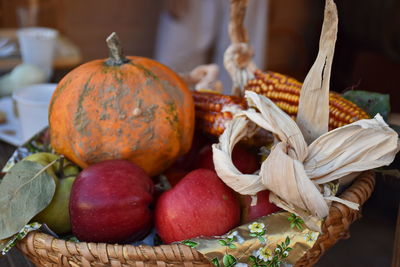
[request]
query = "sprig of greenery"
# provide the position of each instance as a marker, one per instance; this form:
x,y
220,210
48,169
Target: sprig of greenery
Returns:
x,y
281,252
296,221
228,242
258,230
334,187
7,244
227,261
260,236
215,262
190,243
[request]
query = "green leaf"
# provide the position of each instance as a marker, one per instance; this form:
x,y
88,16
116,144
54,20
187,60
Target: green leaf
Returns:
x,y
190,243
295,222
24,192
229,260
287,241
215,262
299,226
222,242
232,246
371,102
253,235
253,259
262,239
73,239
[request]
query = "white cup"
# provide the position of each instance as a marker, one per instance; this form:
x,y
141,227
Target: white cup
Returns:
x,y
37,46
32,105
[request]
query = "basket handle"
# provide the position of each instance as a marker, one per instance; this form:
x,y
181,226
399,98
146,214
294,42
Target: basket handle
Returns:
x,y
238,56
237,31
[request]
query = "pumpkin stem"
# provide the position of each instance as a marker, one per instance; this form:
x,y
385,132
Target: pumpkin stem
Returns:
x,y
117,56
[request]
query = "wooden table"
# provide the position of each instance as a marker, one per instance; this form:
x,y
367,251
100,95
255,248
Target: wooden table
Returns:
x,y
5,152
67,54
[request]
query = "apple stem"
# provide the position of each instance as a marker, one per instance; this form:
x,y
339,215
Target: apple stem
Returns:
x,y
61,167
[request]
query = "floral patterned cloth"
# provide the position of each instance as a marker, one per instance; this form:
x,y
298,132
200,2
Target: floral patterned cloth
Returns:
x,y
272,240
7,244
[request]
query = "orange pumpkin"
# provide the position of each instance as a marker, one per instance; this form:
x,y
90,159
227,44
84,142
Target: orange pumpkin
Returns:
x,y
130,108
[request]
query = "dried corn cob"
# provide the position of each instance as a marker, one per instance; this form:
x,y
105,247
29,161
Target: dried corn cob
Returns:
x,y
285,92
213,110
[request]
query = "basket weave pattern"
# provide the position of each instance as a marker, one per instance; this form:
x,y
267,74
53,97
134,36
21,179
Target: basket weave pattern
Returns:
x,y
45,250
336,225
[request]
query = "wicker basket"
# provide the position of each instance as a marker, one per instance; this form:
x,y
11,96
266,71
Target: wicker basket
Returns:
x,y
45,250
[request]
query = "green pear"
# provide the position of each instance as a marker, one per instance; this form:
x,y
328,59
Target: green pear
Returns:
x,y
56,215
44,159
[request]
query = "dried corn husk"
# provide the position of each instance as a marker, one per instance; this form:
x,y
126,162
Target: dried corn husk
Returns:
x,y
203,78
305,157
293,171
313,113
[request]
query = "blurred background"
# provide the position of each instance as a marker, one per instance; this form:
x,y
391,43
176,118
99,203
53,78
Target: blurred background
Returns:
x,y
285,33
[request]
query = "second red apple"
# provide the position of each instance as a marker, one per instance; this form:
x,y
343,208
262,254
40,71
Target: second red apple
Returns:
x,y
199,205
263,207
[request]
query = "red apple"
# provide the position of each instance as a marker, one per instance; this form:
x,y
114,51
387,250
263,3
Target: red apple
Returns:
x,y
199,205
244,161
262,208
186,163
110,203
175,175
